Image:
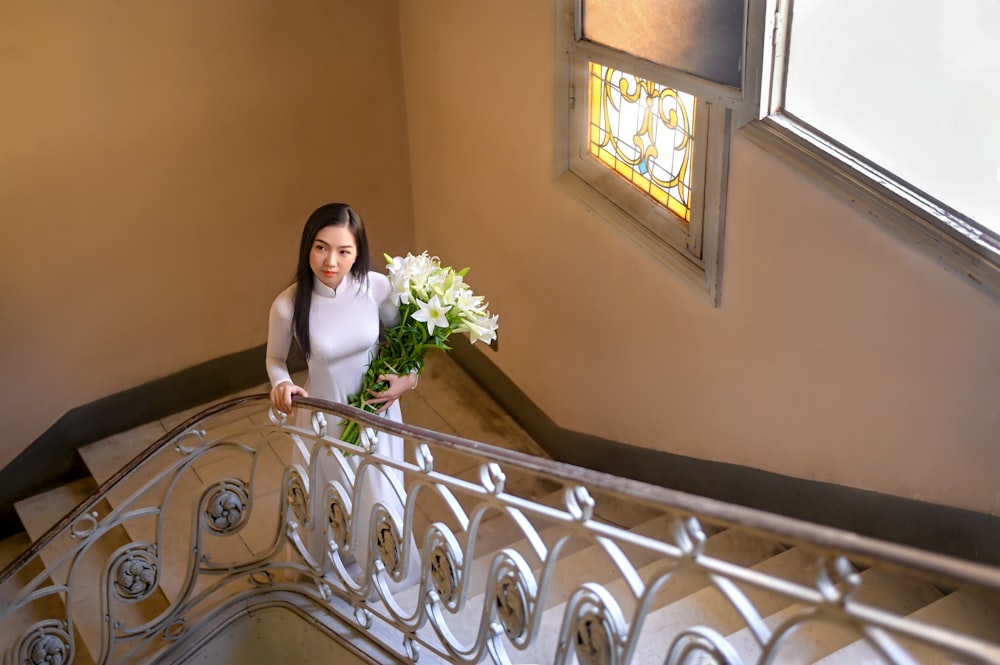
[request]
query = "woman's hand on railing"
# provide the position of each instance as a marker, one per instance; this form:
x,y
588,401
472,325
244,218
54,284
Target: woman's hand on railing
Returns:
x,y
281,396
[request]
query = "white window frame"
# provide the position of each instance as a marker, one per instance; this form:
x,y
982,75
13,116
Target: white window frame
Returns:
x,y
693,250
958,243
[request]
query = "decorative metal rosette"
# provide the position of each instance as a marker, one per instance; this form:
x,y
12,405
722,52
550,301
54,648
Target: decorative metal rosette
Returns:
x,y
135,572
701,645
48,643
515,594
597,624
338,516
226,507
445,557
388,541
297,494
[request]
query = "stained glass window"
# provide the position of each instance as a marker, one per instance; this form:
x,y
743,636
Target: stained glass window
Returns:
x,y
643,131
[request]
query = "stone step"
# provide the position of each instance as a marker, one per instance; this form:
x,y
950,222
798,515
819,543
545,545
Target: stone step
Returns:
x,y
971,612
173,531
730,545
711,608
16,622
12,546
816,639
38,514
583,561
43,511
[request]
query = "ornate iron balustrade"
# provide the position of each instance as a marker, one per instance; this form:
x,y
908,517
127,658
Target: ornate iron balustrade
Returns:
x,y
232,511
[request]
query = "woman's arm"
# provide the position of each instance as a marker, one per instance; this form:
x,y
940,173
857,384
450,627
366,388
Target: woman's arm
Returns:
x,y
279,341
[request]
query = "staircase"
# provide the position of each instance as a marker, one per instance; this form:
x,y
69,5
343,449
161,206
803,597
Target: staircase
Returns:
x,y
183,552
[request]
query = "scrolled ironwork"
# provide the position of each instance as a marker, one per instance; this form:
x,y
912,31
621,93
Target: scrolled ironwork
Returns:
x,y
338,517
492,477
425,458
319,423
701,645
136,571
369,439
411,648
598,626
84,525
580,503
690,537
48,643
198,434
276,417
514,594
364,617
297,494
226,506
837,579
175,630
445,557
474,596
261,578
388,543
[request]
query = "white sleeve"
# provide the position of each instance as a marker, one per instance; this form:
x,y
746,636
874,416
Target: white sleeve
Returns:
x,y
279,337
381,290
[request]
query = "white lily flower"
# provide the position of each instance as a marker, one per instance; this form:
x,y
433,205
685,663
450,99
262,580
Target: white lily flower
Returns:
x,y
433,313
482,329
468,302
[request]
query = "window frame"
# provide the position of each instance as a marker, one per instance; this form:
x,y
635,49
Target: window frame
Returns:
x,y
693,251
958,243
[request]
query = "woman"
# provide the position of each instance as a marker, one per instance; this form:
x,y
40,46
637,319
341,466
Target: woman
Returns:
x,y
334,311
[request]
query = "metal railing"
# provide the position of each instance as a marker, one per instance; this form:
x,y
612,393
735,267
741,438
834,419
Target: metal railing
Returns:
x,y
463,552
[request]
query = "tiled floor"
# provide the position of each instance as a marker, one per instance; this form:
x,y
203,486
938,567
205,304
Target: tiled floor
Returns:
x,y
447,400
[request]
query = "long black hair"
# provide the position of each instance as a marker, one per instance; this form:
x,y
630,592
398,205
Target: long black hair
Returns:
x,y
331,214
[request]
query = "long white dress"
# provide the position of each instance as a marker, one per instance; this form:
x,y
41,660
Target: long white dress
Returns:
x,y
343,335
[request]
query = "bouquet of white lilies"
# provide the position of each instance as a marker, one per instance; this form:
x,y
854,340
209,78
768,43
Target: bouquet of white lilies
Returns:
x,y
434,302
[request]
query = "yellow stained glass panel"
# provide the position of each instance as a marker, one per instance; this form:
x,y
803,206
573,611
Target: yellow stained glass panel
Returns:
x,y
644,132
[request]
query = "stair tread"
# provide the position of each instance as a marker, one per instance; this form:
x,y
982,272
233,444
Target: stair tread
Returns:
x,y
27,615
105,457
171,530
729,545
814,640
12,546
41,512
959,610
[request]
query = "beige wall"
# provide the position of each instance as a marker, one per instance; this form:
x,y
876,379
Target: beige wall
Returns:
x,y
157,161
839,353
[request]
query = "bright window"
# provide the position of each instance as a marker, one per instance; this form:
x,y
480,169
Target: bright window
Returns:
x,y
898,109
917,92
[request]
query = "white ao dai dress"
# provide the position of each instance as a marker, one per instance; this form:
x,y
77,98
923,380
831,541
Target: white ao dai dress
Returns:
x,y
343,335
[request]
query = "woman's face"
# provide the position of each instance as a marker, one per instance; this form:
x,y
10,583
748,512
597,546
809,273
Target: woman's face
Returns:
x,y
332,255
